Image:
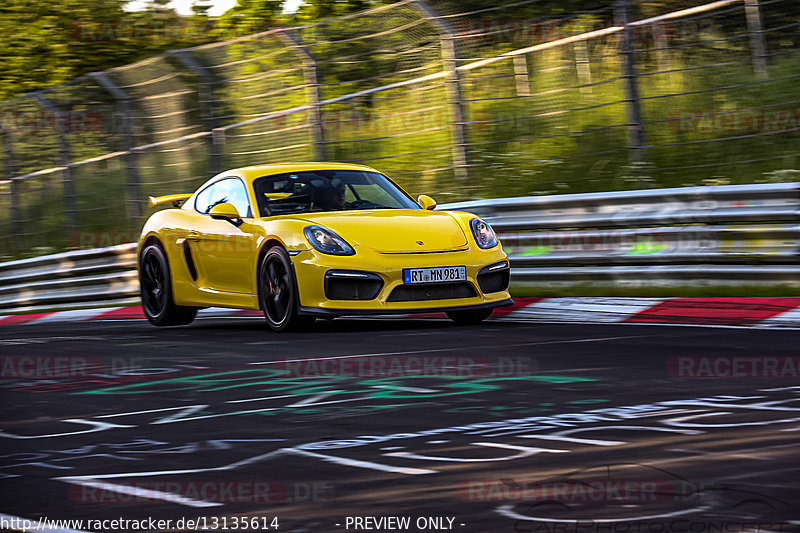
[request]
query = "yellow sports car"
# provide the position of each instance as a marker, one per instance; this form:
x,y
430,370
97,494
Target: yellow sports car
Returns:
x,y
306,240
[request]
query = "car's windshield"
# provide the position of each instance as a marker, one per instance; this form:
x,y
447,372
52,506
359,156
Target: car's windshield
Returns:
x,y
327,190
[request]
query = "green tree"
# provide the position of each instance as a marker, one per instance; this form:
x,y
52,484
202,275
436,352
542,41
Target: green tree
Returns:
x,y
249,16
321,9
49,42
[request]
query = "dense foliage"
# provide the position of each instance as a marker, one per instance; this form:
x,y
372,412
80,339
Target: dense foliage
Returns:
x,y
47,42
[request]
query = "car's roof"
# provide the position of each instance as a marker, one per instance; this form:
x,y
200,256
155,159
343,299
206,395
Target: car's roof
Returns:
x,y
257,171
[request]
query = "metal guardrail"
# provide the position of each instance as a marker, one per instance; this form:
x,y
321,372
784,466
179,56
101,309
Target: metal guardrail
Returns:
x,y
691,244
99,276
748,204
659,275
729,235
720,235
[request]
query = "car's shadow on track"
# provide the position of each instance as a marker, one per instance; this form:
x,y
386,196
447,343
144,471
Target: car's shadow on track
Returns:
x,y
346,325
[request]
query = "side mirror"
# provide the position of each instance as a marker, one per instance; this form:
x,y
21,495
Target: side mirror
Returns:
x,y
426,202
226,211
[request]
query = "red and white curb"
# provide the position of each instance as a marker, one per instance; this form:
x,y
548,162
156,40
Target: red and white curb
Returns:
x,y
764,311
767,311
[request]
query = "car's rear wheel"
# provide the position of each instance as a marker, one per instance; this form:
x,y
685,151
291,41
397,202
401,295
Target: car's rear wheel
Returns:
x,y
278,293
469,318
155,286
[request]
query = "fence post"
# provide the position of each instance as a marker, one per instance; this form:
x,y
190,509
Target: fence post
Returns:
x,y
9,165
10,170
636,138
218,140
16,214
757,45
521,76
662,43
583,66
207,107
310,75
67,180
133,198
455,102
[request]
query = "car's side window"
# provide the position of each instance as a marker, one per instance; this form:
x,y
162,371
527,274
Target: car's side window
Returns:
x,y
201,201
230,190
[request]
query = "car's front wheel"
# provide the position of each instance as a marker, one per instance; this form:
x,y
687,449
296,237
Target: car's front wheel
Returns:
x,y
155,286
471,317
278,293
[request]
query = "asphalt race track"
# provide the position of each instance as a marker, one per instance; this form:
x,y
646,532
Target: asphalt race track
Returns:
x,y
506,427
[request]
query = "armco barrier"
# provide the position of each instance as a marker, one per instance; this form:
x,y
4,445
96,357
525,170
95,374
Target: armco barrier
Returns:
x,y
728,235
743,204
659,275
100,276
723,235
689,244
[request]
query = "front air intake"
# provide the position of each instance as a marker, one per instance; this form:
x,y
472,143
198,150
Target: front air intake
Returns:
x,y
432,291
494,278
352,285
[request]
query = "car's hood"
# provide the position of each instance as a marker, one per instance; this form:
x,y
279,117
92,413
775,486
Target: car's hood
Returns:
x,y
394,230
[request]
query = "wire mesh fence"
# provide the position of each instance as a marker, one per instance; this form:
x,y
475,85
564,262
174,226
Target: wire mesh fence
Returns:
x,y
463,103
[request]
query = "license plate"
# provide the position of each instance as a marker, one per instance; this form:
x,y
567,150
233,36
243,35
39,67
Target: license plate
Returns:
x,y
434,275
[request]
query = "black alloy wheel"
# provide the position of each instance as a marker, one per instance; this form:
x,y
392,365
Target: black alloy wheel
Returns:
x,y
155,287
278,293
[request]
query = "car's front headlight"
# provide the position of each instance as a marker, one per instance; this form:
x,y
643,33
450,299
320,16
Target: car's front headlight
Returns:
x,y
325,241
484,234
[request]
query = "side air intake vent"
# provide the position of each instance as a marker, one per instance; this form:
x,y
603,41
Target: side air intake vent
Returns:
x,y
187,254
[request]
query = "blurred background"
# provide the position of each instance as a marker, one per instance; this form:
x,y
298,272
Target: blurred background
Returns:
x,y
103,103
639,160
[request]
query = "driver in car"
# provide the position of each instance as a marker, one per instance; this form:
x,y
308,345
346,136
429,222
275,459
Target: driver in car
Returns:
x,y
331,196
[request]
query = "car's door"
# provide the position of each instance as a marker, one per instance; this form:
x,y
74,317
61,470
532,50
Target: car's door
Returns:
x,y
224,253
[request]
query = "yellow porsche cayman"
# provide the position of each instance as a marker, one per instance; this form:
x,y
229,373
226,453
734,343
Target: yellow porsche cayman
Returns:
x,y
308,240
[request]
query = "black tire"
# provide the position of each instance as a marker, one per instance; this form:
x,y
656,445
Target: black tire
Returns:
x,y
155,285
277,293
471,317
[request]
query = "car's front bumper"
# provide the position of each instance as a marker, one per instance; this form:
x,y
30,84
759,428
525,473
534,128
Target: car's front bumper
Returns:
x,y
311,267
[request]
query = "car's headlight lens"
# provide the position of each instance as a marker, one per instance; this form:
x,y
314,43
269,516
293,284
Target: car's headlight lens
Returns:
x,y
484,234
325,241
